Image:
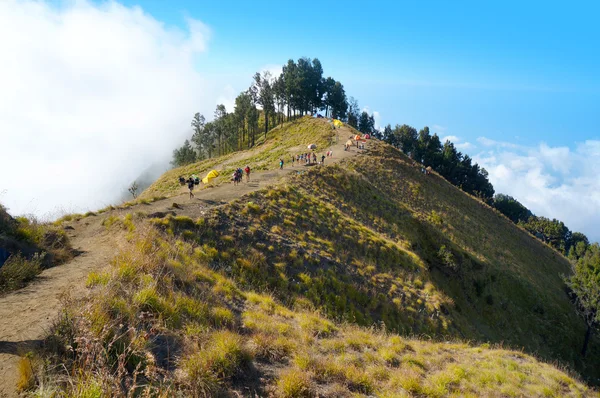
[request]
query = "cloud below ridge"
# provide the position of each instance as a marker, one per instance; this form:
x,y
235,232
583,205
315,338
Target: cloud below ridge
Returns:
x,y
91,96
554,182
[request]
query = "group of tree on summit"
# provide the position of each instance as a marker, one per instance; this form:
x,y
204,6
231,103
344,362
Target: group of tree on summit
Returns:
x,y
300,89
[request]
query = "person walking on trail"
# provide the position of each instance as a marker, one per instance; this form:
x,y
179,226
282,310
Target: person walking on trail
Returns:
x,y
190,183
293,159
280,164
247,170
322,159
314,158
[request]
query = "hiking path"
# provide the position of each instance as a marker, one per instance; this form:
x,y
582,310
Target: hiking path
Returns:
x,y
26,315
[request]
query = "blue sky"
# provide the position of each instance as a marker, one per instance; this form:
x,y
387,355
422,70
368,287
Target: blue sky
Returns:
x,y
516,85
525,71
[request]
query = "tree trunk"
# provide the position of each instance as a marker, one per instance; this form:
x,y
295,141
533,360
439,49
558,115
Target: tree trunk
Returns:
x,y
588,332
266,124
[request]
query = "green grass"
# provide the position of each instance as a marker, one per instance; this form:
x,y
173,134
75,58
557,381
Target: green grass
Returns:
x,y
164,310
33,246
281,142
363,278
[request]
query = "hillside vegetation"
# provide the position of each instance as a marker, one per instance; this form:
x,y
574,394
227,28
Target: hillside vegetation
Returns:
x,y
281,142
26,248
362,278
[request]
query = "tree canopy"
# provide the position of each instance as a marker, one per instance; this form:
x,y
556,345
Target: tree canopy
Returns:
x,y
427,149
300,89
585,288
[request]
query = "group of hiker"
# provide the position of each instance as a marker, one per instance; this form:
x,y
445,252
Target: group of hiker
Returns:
x,y
238,174
308,158
191,182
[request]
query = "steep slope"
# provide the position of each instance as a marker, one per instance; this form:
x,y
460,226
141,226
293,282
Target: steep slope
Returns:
x,y
363,242
374,240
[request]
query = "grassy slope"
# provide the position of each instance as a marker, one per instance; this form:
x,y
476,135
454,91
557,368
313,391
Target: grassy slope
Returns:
x,y
368,242
281,142
169,318
33,247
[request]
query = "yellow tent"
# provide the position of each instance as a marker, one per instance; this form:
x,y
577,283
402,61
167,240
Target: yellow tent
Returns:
x,y
210,176
337,123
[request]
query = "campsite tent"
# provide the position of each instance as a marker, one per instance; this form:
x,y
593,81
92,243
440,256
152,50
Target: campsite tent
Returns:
x,y
312,146
349,143
367,137
337,123
357,137
210,176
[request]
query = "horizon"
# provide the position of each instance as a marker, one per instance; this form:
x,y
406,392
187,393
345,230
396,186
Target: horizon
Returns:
x,y
97,92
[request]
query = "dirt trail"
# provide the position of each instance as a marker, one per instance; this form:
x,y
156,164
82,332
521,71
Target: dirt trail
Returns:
x,y
27,314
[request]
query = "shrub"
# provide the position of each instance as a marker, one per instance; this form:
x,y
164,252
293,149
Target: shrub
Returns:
x,y
447,258
222,359
294,383
26,380
18,270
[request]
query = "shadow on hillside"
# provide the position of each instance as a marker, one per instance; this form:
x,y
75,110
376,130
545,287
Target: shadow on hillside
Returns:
x,y
488,303
19,348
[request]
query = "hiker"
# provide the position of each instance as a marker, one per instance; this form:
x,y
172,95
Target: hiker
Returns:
x,y
190,183
181,181
247,170
428,170
314,158
293,159
322,159
280,164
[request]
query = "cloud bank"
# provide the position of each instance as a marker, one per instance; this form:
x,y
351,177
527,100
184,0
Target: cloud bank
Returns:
x,y
92,94
555,182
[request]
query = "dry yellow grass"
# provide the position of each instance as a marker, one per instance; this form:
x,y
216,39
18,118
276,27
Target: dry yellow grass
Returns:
x,y
161,292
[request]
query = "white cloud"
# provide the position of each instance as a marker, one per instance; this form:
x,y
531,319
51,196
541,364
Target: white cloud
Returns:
x,y
465,146
90,96
554,182
227,98
493,143
376,116
452,138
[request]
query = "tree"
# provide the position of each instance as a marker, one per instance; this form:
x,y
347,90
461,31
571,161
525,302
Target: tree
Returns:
x,y
405,137
279,94
184,155
264,95
133,189
290,78
388,135
199,137
585,290
316,89
219,125
366,123
328,87
353,112
511,208
578,245
337,100
553,232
